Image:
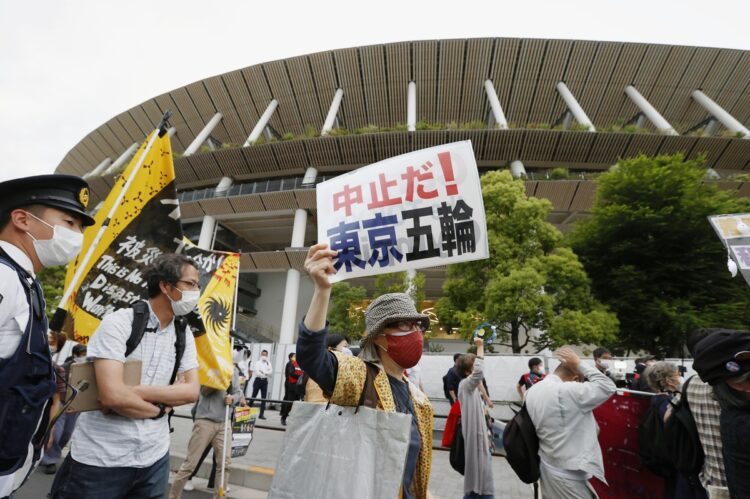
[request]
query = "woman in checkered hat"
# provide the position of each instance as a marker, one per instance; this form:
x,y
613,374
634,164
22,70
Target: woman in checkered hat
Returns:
x,y
394,343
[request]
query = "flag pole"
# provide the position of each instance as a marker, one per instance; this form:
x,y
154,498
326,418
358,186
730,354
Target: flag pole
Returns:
x,y
226,412
58,319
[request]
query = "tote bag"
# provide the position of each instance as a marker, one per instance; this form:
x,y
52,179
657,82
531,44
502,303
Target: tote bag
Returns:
x,y
336,452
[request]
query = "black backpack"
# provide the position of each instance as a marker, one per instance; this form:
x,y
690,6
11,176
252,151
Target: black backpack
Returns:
x,y
457,455
521,445
652,443
140,321
683,442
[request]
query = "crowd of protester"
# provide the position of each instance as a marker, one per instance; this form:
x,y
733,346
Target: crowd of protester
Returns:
x,y
122,450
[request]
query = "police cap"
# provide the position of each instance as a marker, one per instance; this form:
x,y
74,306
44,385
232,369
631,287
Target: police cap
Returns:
x,y
65,192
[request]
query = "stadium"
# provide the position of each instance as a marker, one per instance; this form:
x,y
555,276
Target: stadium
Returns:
x,y
251,144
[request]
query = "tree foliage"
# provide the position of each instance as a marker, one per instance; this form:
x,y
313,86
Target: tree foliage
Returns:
x,y
52,280
398,282
530,280
653,256
346,312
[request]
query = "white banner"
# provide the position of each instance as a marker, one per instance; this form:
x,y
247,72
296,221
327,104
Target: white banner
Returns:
x,y
734,231
417,210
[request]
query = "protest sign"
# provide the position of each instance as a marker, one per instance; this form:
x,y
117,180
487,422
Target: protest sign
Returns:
x,y
218,281
417,210
138,221
734,232
243,424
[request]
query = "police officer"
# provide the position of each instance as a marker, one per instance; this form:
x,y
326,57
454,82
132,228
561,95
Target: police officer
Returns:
x,y
41,225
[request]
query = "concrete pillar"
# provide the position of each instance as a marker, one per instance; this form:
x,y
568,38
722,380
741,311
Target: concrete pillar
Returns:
x,y
203,135
649,111
291,291
710,128
123,159
332,112
720,113
578,113
262,123
208,227
567,120
497,110
640,122
99,168
517,169
311,174
411,107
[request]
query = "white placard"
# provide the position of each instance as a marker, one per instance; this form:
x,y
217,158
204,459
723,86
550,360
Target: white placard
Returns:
x,y
417,210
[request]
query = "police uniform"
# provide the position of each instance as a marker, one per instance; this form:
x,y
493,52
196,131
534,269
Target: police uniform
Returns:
x,y
25,363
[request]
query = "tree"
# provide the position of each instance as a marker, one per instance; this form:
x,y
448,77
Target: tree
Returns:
x,y
529,282
653,257
346,312
398,282
52,280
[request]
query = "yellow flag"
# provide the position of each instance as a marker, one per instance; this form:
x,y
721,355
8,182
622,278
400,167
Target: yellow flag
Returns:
x,y
144,223
219,273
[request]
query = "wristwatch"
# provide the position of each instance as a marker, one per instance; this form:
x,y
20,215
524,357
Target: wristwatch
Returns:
x,y
162,411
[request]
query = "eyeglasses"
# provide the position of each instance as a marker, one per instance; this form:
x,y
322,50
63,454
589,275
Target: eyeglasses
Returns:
x,y
191,284
406,326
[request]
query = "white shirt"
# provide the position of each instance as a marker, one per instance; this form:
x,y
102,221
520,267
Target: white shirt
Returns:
x,y
114,441
14,309
262,368
564,421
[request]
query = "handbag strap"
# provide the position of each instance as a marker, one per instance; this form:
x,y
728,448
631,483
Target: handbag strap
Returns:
x,y
369,396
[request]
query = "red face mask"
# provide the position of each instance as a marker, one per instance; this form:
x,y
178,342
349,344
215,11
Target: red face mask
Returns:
x,y
405,348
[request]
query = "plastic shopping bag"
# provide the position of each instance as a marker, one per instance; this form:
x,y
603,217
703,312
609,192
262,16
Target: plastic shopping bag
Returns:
x,y
335,452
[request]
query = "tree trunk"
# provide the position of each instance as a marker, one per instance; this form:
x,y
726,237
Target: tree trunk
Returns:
x,y
515,331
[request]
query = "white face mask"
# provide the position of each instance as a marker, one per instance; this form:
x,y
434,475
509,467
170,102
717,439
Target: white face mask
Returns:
x,y
78,360
187,303
604,364
61,249
346,351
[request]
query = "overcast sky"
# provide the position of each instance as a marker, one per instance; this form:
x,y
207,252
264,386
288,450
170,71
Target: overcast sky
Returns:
x,y
66,67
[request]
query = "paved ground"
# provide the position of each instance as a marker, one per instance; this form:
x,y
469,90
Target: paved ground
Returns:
x,y
445,483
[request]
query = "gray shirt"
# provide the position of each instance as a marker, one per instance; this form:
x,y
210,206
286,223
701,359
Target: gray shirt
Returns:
x,y
478,473
211,404
564,421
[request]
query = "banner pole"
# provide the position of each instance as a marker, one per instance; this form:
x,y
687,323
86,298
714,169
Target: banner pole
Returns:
x,y
226,413
60,316
222,491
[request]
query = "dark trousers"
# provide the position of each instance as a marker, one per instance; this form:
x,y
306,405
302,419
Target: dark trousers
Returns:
x,y
290,393
76,480
262,386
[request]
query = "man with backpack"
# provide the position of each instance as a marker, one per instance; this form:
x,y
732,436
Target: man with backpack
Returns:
x,y
529,379
123,450
561,409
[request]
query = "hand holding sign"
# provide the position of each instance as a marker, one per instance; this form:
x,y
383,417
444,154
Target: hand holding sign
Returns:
x,y
319,265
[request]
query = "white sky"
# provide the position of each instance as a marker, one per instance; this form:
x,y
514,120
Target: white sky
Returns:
x,y
68,66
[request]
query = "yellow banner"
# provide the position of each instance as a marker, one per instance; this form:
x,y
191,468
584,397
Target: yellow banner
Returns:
x,y
144,225
219,274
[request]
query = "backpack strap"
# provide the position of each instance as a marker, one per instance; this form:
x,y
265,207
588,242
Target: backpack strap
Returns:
x,y
180,328
140,321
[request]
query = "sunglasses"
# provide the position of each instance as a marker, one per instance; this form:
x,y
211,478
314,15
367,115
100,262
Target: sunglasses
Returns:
x,y
406,326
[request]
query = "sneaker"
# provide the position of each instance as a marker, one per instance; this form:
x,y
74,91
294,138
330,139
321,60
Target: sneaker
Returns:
x,y
189,485
261,417
283,421
50,469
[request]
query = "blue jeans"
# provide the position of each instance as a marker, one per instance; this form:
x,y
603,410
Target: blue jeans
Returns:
x,y
63,430
76,480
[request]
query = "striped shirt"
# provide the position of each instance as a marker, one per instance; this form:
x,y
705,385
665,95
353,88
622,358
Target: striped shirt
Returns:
x,y
113,440
707,413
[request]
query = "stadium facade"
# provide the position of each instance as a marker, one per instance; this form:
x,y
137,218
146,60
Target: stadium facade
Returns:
x,y
251,144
